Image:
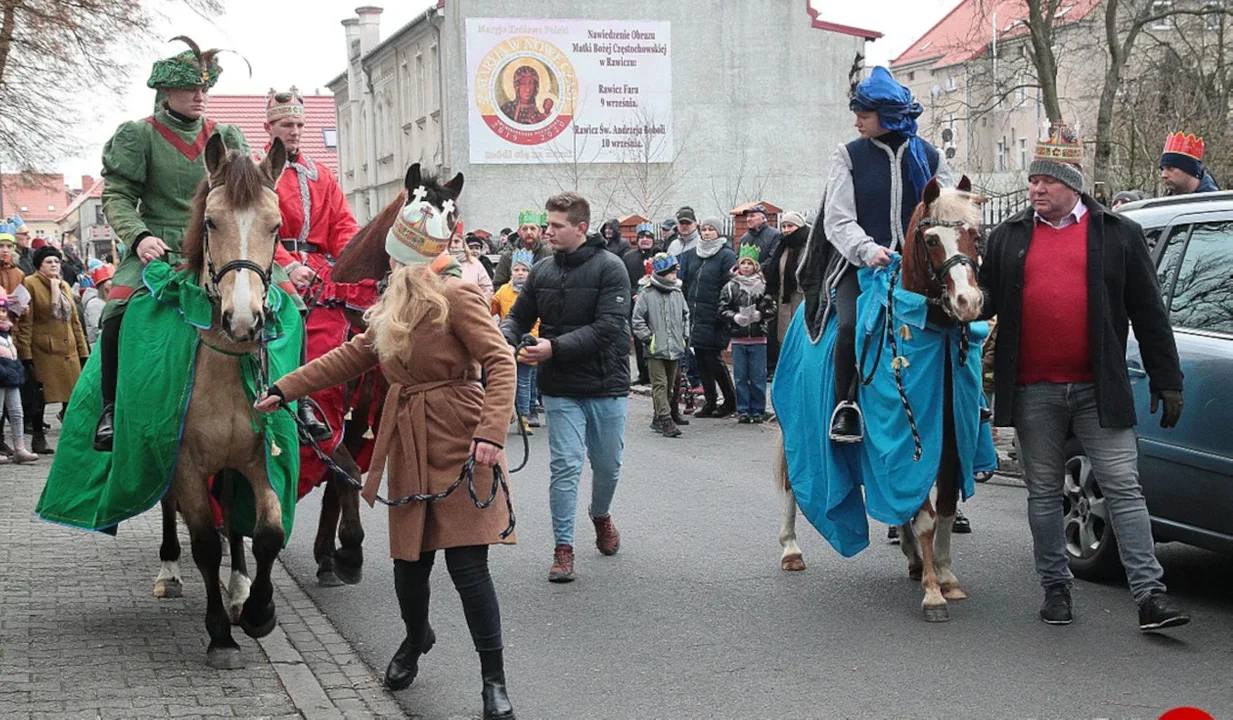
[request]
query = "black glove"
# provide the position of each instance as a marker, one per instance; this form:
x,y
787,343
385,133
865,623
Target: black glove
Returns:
x,y
28,365
1172,406
84,360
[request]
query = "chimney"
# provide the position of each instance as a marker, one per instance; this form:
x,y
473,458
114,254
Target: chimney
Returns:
x,y
351,26
87,182
370,27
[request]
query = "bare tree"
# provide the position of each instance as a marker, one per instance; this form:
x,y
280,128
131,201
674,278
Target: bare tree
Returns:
x,y
652,168
56,57
570,165
741,182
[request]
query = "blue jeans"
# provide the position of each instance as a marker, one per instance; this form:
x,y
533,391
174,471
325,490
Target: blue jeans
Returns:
x,y
578,429
524,399
1043,415
749,370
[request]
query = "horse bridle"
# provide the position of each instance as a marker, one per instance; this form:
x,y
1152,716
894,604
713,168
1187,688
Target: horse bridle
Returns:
x,y
938,274
216,275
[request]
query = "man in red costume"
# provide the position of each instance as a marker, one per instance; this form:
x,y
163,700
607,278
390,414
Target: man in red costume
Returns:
x,y
317,224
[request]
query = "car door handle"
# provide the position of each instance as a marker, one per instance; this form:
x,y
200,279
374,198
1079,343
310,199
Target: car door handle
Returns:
x,y
1135,368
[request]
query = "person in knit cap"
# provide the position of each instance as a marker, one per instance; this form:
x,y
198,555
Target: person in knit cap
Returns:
x,y
661,325
780,272
1059,366
1181,166
638,261
705,270
12,377
874,185
686,229
502,302
432,333
748,308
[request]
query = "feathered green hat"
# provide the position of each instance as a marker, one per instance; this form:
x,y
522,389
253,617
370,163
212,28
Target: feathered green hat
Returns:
x,y
748,251
191,68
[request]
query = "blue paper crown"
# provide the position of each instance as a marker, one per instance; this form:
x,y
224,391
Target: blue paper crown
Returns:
x,y
662,263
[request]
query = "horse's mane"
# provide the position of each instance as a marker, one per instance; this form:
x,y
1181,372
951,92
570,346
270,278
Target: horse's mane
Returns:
x,y
957,205
364,257
243,182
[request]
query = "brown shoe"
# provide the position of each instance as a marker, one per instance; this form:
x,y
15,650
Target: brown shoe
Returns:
x,y
607,537
562,564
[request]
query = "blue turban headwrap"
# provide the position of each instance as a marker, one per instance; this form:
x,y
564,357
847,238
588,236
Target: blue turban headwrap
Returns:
x,y
897,111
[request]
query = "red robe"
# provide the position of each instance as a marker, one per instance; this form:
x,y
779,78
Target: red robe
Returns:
x,y
308,189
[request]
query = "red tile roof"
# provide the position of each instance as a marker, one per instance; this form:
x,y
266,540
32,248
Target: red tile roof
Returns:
x,y
94,191
967,30
819,24
36,193
248,113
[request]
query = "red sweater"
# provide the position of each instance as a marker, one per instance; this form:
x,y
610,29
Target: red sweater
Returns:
x,y
1054,343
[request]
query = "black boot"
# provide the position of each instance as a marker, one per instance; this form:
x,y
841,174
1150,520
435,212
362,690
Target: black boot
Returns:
x,y
677,417
38,444
310,425
846,424
405,664
496,699
105,431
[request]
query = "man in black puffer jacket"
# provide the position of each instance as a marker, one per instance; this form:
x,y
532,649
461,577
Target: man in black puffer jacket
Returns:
x,y
581,300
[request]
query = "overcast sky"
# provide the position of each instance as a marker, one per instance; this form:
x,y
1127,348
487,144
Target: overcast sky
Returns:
x,y
305,47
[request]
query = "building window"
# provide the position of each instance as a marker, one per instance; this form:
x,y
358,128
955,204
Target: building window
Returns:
x,y
1022,94
950,83
911,76
1023,159
1158,7
436,83
1002,154
51,208
1214,14
419,87
25,208
330,136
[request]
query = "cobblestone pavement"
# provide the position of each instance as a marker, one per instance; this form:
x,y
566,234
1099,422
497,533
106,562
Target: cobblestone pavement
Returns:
x,y
81,635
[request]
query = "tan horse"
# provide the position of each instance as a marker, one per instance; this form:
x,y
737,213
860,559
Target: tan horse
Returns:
x,y
939,262
230,240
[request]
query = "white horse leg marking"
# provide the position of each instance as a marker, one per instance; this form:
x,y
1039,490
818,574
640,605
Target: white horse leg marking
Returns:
x,y
169,584
941,559
933,605
792,559
237,593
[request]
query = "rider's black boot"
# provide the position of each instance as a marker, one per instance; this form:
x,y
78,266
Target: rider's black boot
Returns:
x,y
846,424
109,352
411,586
105,431
311,425
496,699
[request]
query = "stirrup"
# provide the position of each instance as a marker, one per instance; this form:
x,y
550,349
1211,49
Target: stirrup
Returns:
x,y
860,421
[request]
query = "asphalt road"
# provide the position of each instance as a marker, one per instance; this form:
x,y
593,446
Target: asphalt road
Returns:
x,y
694,619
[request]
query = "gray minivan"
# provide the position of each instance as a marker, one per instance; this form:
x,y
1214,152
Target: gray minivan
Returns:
x,y
1187,471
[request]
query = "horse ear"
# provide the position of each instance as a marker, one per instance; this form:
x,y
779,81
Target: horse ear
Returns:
x,y
275,161
455,185
412,181
931,193
964,184
215,155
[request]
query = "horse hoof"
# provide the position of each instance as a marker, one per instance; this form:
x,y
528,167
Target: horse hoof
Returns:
x,y
953,592
328,578
348,574
792,563
225,658
936,613
261,628
168,588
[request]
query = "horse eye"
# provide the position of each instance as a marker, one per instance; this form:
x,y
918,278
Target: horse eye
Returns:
x,y
210,224
931,241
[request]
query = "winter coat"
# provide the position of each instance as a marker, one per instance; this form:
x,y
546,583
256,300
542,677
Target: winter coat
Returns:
x,y
56,346
635,264
781,280
582,302
474,272
766,238
704,280
1121,288
434,408
12,374
504,265
617,245
736,295
661,320
11,276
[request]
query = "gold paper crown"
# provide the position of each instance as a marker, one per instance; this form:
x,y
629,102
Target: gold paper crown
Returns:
x,y
275,110
417,234
1062,145
1184,144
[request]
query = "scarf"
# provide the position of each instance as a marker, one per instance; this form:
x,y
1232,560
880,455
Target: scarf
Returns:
x,y
446,266
897,111
754,284
663,284
61,305
517,284
708,248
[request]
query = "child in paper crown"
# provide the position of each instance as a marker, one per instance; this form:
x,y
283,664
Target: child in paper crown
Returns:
x,y
12,377
502,302
661,323
747,307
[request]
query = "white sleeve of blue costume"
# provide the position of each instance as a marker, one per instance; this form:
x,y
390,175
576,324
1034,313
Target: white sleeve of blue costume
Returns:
x,y
943,174
839,219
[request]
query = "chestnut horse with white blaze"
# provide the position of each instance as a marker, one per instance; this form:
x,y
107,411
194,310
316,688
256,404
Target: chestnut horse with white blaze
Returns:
x,y
939,260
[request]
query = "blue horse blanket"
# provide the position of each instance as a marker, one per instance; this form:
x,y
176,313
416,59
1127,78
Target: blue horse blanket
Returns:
x,y
827,478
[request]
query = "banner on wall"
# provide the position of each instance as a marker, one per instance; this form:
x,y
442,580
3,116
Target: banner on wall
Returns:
x,y
569,91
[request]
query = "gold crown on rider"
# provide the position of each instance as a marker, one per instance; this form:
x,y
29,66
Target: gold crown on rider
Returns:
x,y
279,105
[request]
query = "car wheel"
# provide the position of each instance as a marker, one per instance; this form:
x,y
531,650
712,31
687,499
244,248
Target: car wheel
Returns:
x,y
1088,525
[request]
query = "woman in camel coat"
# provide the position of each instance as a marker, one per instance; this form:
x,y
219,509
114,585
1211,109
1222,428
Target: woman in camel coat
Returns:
x,y
432,334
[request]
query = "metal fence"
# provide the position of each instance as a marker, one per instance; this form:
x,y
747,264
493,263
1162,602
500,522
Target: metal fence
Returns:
x,y
999,208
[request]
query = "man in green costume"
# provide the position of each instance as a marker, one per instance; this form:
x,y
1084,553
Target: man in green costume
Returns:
x,y
152,168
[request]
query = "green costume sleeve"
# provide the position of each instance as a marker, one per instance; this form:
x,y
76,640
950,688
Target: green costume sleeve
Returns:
x,y
125,158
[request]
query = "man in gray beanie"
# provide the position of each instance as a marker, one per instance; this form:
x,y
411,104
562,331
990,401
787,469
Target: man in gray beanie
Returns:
x,y
1059,366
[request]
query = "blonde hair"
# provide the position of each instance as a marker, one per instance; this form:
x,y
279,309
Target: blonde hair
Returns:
x,y
412,296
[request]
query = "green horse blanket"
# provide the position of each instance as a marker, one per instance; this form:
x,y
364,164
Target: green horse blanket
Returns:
x,y
157,360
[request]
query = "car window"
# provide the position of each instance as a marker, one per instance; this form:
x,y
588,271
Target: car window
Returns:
x,y
1152,236
1203,292
1169,256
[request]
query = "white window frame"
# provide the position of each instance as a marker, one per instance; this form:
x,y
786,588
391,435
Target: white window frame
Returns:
x,y
1163,23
